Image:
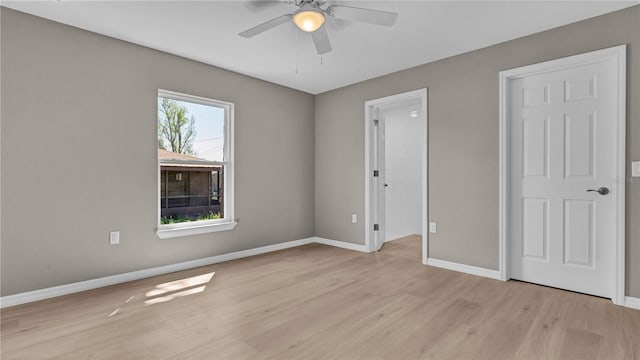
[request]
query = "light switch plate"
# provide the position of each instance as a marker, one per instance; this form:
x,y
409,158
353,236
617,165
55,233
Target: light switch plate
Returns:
x,y
433,227
635,169
354,218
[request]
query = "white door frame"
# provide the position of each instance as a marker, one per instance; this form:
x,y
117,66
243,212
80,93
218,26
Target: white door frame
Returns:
x,y
420,94
617,54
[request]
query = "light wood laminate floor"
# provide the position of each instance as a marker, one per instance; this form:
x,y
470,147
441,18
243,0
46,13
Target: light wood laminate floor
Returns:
x,y
320,302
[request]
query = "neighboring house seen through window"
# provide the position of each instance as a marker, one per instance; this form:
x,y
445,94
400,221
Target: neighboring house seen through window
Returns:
x,y
195,164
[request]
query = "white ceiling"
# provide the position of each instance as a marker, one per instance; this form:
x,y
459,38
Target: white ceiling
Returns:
x,y
207,31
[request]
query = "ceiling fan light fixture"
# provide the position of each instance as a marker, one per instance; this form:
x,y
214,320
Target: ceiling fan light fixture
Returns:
x,y
308,20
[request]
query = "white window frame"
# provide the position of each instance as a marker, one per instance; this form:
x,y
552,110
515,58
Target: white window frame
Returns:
x,y
204,226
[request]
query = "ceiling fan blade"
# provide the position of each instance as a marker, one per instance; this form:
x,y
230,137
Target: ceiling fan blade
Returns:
x,y
259,5
369,16
321,40
266,26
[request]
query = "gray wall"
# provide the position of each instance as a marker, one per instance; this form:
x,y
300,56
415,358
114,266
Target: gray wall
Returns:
x,y
79,156
463,140
78,150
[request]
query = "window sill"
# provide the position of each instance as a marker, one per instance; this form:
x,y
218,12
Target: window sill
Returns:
x,y
195,230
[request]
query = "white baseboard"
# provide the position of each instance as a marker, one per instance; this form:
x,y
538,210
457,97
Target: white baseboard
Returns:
x,y
341,244
41,294
35,295
632,302
403,237
473,270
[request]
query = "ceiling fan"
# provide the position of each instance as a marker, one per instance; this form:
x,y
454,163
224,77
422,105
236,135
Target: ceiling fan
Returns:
x,y
311,17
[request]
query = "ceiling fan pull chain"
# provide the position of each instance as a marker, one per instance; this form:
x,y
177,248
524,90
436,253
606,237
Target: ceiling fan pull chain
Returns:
x,y
297,51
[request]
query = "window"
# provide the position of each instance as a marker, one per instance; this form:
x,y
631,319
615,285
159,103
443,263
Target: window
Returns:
x,y
195,165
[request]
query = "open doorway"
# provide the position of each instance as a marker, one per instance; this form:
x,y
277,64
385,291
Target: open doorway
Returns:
x,y
396,170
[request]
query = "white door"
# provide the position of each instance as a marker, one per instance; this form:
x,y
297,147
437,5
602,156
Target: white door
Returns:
x,y
379,176
563,148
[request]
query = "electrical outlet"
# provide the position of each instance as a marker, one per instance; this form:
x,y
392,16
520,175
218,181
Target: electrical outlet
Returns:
x,y
635,169
433,227
354,218
114,237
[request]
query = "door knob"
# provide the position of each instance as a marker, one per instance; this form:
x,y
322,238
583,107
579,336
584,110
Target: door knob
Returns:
x,y
602,191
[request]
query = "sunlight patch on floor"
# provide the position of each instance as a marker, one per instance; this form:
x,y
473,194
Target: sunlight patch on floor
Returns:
x,y
179,288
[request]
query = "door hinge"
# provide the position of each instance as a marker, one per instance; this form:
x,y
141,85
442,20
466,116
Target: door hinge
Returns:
x,y
375,122
376,227
376,173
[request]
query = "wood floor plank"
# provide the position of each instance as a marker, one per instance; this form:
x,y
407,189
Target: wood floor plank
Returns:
x,y
547,330
321,302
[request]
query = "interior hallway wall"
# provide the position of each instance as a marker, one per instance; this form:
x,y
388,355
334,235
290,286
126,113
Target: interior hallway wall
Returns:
x,y
403,163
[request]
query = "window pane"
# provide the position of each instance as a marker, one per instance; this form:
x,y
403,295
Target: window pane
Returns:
x,y
192,194
191,129
190,136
